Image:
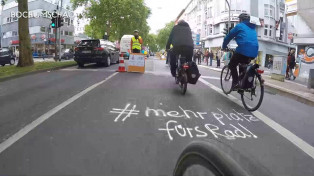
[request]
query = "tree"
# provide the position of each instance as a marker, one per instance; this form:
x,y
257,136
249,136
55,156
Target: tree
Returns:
x,y
151,41
114,17
163,35
25,50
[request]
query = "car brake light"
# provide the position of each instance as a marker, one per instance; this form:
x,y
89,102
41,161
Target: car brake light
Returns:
x,y
76,49
260,71
99,49
185,66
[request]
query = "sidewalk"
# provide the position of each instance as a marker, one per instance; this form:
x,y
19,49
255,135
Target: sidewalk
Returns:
x,y
295,89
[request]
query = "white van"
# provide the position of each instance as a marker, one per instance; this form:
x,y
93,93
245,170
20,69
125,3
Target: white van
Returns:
x,y
125,43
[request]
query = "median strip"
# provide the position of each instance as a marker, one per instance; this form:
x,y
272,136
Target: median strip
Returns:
x,y
8,72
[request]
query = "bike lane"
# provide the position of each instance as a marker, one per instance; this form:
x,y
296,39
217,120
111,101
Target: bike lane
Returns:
x,y
138,124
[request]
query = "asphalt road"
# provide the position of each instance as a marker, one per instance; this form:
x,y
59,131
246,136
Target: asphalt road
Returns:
x,y
94,121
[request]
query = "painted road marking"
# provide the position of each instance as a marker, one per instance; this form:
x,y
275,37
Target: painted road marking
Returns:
x,y
211,77
75,69
301,144
11,140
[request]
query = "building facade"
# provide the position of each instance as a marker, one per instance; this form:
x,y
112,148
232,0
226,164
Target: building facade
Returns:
x,y
208,18
41,35
301,31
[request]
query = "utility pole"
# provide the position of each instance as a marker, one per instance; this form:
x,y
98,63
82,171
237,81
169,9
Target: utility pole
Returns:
x,y
60,32
56,37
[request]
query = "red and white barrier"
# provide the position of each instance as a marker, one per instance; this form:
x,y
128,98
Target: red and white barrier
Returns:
x,y
121,64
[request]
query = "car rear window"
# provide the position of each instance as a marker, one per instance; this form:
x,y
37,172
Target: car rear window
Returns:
x,y
92,43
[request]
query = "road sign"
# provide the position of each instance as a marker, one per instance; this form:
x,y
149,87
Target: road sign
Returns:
x,y
136,63
290,36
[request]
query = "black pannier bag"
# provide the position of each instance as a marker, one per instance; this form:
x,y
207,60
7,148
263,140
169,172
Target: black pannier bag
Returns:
x,y
193,73
248,80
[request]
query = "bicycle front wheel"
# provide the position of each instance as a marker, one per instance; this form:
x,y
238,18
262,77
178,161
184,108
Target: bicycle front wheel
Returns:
x,y
201,158
226,80
252,98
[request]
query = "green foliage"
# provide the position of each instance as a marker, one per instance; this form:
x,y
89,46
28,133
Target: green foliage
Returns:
x,y
164,34
151,41
115,17
8,71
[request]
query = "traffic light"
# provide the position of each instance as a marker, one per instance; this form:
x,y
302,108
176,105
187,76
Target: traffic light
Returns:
x,y
60,21
54,20
226,31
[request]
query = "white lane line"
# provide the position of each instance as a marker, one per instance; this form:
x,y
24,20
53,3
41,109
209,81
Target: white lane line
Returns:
x,y
73,69
210,77
15,137
300,143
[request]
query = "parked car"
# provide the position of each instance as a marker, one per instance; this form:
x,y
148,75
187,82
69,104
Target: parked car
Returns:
x,y
96,51
68,54
6,57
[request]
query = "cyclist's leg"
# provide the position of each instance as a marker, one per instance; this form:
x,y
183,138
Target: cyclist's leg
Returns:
x,y
234,62
173,63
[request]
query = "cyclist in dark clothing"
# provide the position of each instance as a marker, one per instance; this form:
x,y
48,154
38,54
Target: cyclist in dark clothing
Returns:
x,y
181,39
246,38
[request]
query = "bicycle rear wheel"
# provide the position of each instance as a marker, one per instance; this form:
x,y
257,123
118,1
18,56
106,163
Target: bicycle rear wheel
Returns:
x,y
184,83
226,80
252,98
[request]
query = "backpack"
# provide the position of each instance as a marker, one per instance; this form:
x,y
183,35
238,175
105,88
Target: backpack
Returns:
x,y
193,73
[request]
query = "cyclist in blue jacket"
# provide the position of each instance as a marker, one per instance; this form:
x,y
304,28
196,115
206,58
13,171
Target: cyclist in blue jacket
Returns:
x,y
246,38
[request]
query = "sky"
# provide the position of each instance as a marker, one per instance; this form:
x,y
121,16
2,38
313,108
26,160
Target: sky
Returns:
x,y
163,11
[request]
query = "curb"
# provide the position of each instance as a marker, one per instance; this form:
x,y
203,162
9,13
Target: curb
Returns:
x,y
34,72
289,93
282,91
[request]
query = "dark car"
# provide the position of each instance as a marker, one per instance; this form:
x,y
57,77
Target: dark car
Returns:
x,y
96,51
68,54
6,57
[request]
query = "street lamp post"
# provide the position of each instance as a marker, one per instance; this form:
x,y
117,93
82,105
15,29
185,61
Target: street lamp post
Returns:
x,y
2,4
229,23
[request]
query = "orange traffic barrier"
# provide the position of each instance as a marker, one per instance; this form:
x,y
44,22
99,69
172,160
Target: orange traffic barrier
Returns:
x,y
121,64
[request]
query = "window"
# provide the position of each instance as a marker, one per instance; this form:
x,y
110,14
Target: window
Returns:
x,y
14,33
210,12
42,29
265,29
72,22
270,30
210,29
70,33
269,11
199,19
66,33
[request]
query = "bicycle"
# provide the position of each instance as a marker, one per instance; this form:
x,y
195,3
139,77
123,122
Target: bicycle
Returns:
x,y
181,74
212,160
250,82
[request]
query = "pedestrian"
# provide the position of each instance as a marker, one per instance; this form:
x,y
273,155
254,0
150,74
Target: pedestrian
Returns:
x,y
136,42
17,54
292,64
206,56
199,53
211,57
218,59
288,61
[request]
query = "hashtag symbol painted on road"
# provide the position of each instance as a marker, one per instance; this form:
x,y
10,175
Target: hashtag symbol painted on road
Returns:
x,y
124,113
